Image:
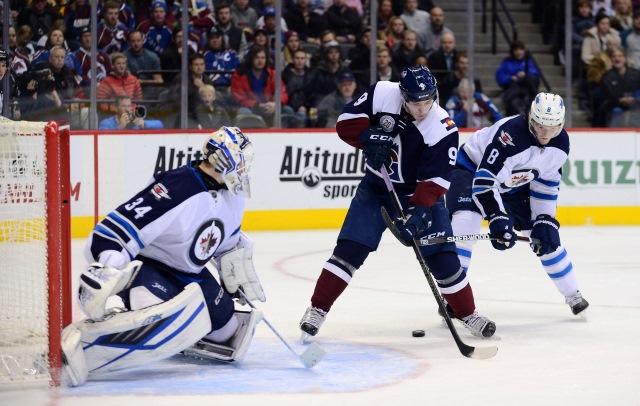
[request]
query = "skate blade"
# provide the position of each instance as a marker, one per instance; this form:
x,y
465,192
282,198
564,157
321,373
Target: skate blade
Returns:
x,y
583,315
304,338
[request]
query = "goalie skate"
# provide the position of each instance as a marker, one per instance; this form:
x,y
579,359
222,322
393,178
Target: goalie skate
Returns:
x,y
311,322
577,304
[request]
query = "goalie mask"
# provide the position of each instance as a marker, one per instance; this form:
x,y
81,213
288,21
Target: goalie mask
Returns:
x,y
546,116
231,153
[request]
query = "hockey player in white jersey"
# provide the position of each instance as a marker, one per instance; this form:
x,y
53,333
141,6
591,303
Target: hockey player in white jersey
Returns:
x,y
402,126
153,252
509,174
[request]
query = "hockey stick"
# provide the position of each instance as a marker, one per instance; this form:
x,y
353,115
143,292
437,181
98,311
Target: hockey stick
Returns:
x,y
466,350
309,358
441,240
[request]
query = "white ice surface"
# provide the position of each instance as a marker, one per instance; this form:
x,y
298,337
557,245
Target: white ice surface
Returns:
x,y
546,356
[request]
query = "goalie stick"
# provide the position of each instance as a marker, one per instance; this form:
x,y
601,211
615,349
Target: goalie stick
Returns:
x,y
466,350
441,240
309,358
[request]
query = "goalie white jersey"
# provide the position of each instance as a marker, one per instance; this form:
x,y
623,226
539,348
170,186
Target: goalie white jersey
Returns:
x,y
158,223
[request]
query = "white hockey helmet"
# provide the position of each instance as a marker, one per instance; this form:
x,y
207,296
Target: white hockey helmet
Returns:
x,y
547,109
231,154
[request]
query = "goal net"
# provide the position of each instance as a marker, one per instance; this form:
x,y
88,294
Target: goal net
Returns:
x,y
34,250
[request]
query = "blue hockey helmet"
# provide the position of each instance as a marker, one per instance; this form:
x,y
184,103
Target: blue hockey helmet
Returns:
x,y
418,84
231,154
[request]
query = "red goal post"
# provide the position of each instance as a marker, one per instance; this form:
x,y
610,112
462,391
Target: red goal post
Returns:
x,y
35,250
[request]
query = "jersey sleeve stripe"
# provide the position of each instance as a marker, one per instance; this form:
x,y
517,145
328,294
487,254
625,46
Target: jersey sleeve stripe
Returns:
x,y
110,241
548,182
543,196
127,227
351,116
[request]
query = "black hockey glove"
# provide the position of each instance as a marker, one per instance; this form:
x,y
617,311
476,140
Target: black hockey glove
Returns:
x,y
377,146
501,228
545,229
417,222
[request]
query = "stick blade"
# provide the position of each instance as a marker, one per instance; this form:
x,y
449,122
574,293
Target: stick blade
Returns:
x,y
481,352
312,355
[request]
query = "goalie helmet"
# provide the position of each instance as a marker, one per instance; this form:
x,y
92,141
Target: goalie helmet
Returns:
x,y
547,109
231,153
418,84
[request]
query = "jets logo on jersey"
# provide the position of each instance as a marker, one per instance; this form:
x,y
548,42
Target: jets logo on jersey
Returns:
x,y
206,241
159,191
505,139
520,178
387,123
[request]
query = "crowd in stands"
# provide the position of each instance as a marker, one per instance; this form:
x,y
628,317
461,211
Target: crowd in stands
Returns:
x,y
326,52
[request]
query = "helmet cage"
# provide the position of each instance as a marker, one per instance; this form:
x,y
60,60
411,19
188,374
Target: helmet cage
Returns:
x,y
547,109
231,154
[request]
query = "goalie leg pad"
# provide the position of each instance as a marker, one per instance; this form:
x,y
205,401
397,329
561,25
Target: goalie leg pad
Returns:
x,y
134,338
233,349
74,363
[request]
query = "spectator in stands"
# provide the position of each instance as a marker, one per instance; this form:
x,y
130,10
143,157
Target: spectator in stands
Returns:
x,y
199,20
331,105
448,85
632,41
291,45
119,82
253,85
44,43
518,76
158,33
360,55
242,15
621,92
443,61
209,113
603,7
112,35
83,55
623,18
325,75
66,83
125,15
197,79
261,40
305,22
415,19
24,51
141,59
343,21
56,38
124,118
385,67
393,33
297,77
219,57
77,15
326,37
581,22
4,67
233,36
598,38
38,15
408,51
429,40
171,57
38,99
384,13
269,12
458,106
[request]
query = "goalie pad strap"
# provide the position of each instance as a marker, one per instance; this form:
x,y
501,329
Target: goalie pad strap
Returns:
x,y
134,338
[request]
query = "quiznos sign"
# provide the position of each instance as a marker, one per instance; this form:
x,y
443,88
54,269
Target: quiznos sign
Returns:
x,y
336,173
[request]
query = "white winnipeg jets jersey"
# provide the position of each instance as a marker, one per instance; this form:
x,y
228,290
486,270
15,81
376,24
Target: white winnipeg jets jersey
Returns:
x,y
507,156
175,220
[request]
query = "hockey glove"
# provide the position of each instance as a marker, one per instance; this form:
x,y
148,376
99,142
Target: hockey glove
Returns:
x,y
377,146
545,229
501,228
417,222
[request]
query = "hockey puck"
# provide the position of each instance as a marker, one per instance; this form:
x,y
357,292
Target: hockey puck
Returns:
x,y
417,333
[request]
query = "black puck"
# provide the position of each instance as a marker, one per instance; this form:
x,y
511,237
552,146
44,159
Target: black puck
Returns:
x,y
417,333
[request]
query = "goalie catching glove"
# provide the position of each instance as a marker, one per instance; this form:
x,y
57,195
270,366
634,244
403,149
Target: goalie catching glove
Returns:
x,y
237,271
99,282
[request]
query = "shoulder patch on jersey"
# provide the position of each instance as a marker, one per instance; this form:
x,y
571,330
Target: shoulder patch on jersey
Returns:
x,y
387,123
159,191
505,139
448,122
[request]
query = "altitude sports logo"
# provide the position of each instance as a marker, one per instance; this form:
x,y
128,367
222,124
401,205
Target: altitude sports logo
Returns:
x,y
339,172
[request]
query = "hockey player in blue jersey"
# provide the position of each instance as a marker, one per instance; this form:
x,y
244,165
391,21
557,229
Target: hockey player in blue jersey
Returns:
x,y
399,125
152,252
509,174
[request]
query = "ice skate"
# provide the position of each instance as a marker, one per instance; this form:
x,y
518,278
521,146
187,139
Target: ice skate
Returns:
x,y
311,322
577,304
479,326
449,312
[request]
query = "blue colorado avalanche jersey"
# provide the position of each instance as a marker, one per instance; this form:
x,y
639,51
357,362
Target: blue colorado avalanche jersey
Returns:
x,y
175,220
424,152
506,157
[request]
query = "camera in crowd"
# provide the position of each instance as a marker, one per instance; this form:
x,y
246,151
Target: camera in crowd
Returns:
x,y
138,112
41,74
